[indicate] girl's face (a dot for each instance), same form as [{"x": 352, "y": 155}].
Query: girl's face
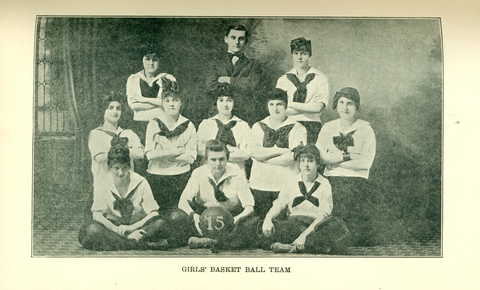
[
  {"x": 307, "y": 164},
  {"x": 120, "y": 171},
  {"x": 277, "y": 109},
  {"x": 151, "y": 64},
  {"x": 217, "y": 162},
  {"x": 172, "y": 105},
  {"x": 346, "y": 109},
  {"x": 225, "y": 105},
  {"x": 300, "y": 58},
  {"x": 113, "y": 112}
]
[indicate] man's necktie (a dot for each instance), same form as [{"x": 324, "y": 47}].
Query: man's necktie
[{"x": 234, "y": 57}]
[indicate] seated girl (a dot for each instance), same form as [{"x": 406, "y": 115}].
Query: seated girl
[
  {"x": 220, "y": 183},
  {"x": 307, "y": 200},
  {"x": 100, "y": 138},
  {"x": 125, "y": 214},
  {"x": 225, "y": 127},
  {"x": 347, "y": 147},
  {"x": 270, "y": 143},
  {"x": 307, "y": 89},
  {"x": 171, "y": 146}
]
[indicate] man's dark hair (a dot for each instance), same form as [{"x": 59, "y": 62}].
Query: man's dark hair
[{"x": 238, "y": 27}]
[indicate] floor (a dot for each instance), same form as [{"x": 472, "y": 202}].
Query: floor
[{"x": 58, "y": 216}]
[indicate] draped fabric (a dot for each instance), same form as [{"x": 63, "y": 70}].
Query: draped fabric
[
  {"x": 225, "y": 134},
  {"x": 116, "y": 139},
  {"x": 343, "y": 141},
  {"x": 149, "y": 91},
  {"x": 79, "y": 37},
  {"x": 124, "y": 206},
  {"x": 164, "y": 131},
  {"x": 306, "y": 196},
  {"x": 301, "y": 93},
  {"x": 277, "y": 137},
  {"x": 219, "y": 194}
]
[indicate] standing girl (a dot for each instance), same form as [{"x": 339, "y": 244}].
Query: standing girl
[
  {"x": 171, "y": 146},
  {"x": 307, "y": 89}
]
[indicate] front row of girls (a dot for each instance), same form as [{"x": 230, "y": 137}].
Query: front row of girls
[{"x": 345, "y": 145}]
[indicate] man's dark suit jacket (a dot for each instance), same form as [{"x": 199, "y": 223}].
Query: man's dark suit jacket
[{"x": 245, "y": 81}]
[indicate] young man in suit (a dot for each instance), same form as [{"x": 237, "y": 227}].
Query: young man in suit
[{"x": 242, "y": 73}]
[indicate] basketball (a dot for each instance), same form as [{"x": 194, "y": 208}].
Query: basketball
[{"x": 216, "y": 222}]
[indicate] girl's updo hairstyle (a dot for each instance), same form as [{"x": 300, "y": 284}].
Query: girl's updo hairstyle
[
  {"x": 223, "y": 90},
  {"x": 106, "y": 99},
  {"x": 308, "y": 151},
  {"x": 119, "y": 152},
  {"x": 349, "y": 93},
  {"x": 169, "y": 88},
  {"x": 299, "y": 44},
  {"x": 149, "y": 49},
  {"x": 279, "y": 95}
]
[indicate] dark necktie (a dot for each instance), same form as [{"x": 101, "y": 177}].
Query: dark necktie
[
  {"x": 343, "y": 141},
  {"x": 306, "y": 195},
  {"x": 124, "y": 206},
  {"x": 277, "y": 137},
  {"x": 240, "y": 55},
  {"x": 301, "y": 93},
  {"x": 164, "y": 131},
  {"x": 225, "y": 134},
  {"x": 116, "y": 139},
  {"x": 149, "y": 91},
  {"x": 219, "y": 195}
]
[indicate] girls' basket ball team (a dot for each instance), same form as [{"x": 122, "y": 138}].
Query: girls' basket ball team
[{"x": 285, "y": 183}]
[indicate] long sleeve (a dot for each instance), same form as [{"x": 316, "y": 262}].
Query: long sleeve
[
  {"x": 243, "y": 192},
  {"x": 202, "y": 135},
  {"x": 326, "y": 201},
  {"x": 148, "y": 201},
  {"x": 133, "y": 90},
  {"x": 191, "y": 145},
  {"x": 152, "y": 129},
  {"x": 366, "y": 150},
  {"x": 297, "y": 135},
  {"x": 191, "y": 190}
]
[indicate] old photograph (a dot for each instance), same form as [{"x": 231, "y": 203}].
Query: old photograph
[{"x": 237, "y": 137}]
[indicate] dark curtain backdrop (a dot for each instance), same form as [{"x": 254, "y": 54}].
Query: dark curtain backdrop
[{"x": 396, "y": 64}]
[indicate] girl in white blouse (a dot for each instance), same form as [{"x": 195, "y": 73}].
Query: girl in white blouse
[
  {"x": 225, "y": 127},
  {"x": 171, "y": 148}
]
